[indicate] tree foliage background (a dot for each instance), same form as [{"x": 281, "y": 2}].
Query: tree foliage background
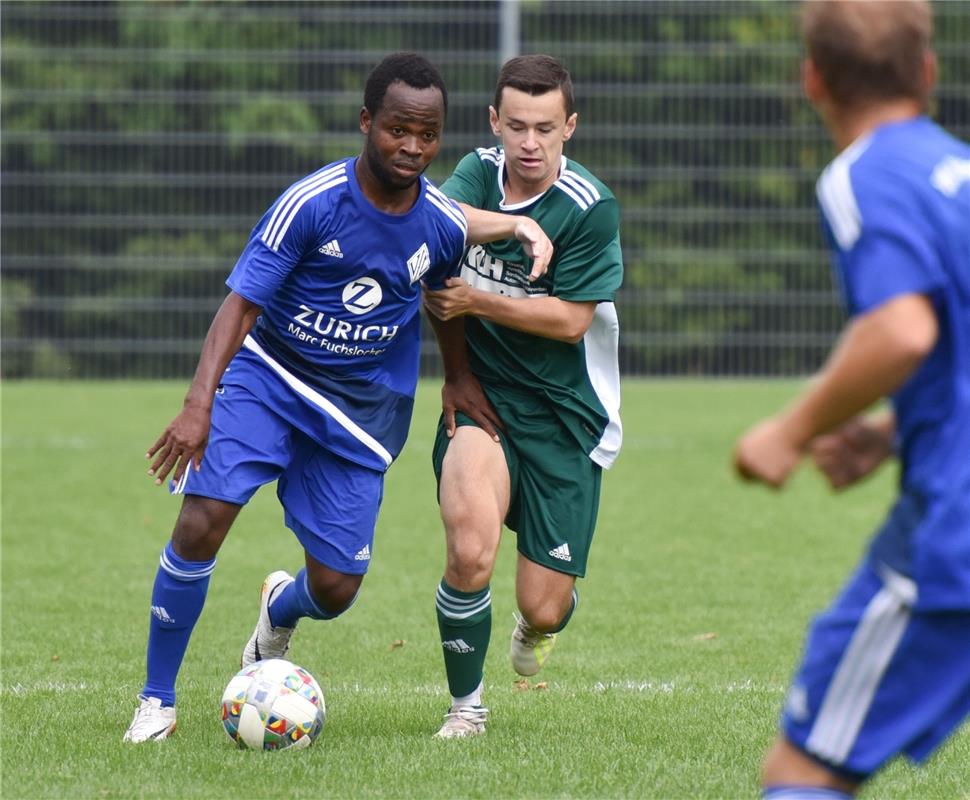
[{"x": 142, "y": 141}]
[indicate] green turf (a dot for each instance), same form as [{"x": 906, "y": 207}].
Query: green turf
[{"x": 666, "y": 685}]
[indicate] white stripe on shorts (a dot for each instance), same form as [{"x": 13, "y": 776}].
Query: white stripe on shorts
[{"x": 858, "y": 676}]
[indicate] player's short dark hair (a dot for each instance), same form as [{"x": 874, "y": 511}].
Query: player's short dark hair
[
  {"x": 408, "y": 68},
  {"x": 869, "y": 51},
  {"x": 535, "y": 75}
]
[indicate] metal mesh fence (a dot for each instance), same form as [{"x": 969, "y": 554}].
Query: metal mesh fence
[{"x": 142, "y": 141}]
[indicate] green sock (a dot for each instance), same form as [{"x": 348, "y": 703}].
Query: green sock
[{"x": 465, "y": 623}]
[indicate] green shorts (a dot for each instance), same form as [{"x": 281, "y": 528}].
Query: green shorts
[{"x": 555, "y": 486}]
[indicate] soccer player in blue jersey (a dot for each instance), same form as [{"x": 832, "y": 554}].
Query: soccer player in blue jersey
[
  {"x": 307, "y": 375},
  {"x": 886, "y": 669}
]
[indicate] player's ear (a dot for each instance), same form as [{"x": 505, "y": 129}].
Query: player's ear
[
  {"x": 929, "y": 71},
  {"x": 493, "y": 120},
  {"x": 812, "y": 83},
  {"x": 365, "y": 120},
  {"x": 570, "y": 128}
]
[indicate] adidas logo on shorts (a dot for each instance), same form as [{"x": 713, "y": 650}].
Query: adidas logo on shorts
[
  {"x": 561, "y": 552},
  {"x": 363, "y": 554}
]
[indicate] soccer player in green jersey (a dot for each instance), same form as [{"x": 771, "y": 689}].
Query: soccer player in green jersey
[{"x": 544, "y": 350}]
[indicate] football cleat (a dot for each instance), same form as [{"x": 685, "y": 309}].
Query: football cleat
[
  {"x": 463, "y": 721},
  {"x": 529, "y": 648},
  {"x": 267, "y": 641},
  {"x": 152, "y": 721}
]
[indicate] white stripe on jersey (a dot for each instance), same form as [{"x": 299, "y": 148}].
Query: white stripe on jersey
[
  {"x": 488, "y": 154},
  {"x": 442, "y": 201},
  {"x": 294, "y": 198},
  {"x": 601, "y": 343},
  {"x": 835, "y": 196},
  {"x": 320, "y": 402},
  {"x": 583, "y": 186},
  {"x": 577, "y": 198},
  {"x": 857, "y": 677}
]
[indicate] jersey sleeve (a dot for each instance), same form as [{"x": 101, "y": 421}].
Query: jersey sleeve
[
  {"x": 882, "y": 245},
  {"x": 467, "y": 183},
  {"x": 591, "y": 267},
  {"x": 276, "y": 245}
]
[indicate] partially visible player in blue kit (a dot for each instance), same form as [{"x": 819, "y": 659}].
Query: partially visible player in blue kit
[
  {"x": 886, "y": 669},
  {"x": 308, "y": 372}
]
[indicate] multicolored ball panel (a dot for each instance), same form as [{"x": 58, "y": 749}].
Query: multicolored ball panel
[{"x": 273, "y": 705}]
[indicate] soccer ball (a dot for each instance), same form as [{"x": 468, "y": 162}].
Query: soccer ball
[{"x": 273, "y": 704}]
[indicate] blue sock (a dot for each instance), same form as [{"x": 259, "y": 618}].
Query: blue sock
[
  {"x": 296, "y": 601},
  {"x": 177, "y": 600},
  {"x": 794, "y": 792}
]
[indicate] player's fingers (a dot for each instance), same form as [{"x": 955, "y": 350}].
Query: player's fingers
[
  {"x": 160, "y": 454},
  {"x": 167, "y": 465},
  {"x": 484, "y": 423},
  {"x": 450, "y": 425},
  {"x": 540, "y": 263},
  {"x": 158, "y": 444}
]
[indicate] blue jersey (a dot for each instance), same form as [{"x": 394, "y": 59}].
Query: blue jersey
[
  {"x": 896, "y": 211},
  {"x": 336, "y": 347}
]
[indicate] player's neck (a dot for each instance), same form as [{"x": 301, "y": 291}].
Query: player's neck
[
  {"x": 381, "y": 196},
  {"x": 518, "y": 192},
  {"x": 846, "y": 127}
]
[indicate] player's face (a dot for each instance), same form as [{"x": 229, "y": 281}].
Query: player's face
[
  {"x": 533, "y": 131},
  {"x": 403, "y": 137}
]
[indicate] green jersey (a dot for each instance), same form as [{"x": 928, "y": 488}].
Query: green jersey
[{"x": 580, "y": 382}]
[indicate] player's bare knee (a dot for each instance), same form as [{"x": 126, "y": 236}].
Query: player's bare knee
[
  {"x": 201, "y": 527},
  {"x": 469, "y": 564},
  {"x": 544, "y": 614},
  {"x": 333, "y": 591}
]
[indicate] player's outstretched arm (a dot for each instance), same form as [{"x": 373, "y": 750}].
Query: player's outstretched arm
[
  {"x": 183, "y": 441},
  {"x": 549, "y": 317},
  {"x": 877, "y": 352},
  {"x": 490, "y": 226}
]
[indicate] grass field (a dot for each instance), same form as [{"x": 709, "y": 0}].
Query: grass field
[{"x": 666, "y": 684}]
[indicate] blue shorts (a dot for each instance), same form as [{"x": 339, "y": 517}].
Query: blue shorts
[
  {"x": 330, "y": 503},
  {"x": 878, "y": 678}
]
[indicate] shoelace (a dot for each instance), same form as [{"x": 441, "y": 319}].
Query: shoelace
[{"x": 528, "y": 635}]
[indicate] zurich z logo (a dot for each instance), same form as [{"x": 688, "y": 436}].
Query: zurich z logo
[{"x": 362, "y": 295}]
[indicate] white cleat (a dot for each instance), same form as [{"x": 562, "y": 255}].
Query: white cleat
[
  {"x": 267, "y": 641},
  {"x": 529, "y": 648},
  {"x": 463, "y": 721},
  {"x": 152, "y": 722}
]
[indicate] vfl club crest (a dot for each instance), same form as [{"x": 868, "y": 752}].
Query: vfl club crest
[{"x": 420, "y": 262}]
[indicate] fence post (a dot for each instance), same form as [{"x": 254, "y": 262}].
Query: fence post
[{"x": 510, "y": 14}]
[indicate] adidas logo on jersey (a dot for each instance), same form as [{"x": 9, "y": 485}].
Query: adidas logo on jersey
[
  {"x": 458, "y": 646},
  {"x": 561, "y": 552},
  {"x": 420, "y": 262},
  {"x": 160, "y": 613},
  {"x": 363, "y": 554},
  {"x": 332, "y": 249}
]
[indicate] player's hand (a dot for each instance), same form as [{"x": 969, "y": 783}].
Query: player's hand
[
  {"x": 766, "y": 454},
  {"x": 181, "y": 444},
  {"x": 536, "y": 245},
  {"x": 851, "y": 452},
  {"x": 455, "y": 300},
  {"x": 464, "y": 393}
]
